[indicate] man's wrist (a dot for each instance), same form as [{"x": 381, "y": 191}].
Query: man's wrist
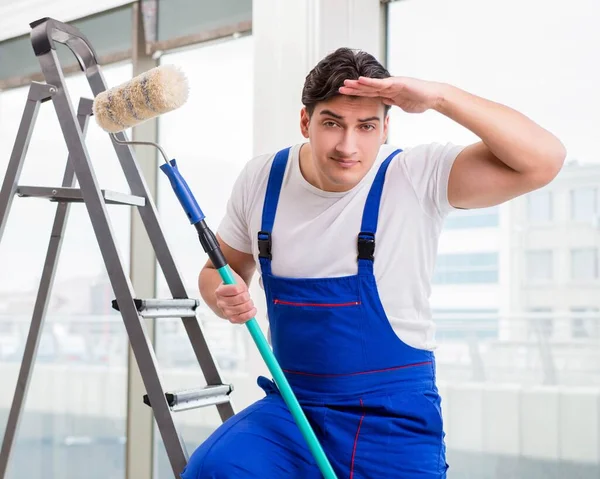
[{"x": 442, "y": 98}]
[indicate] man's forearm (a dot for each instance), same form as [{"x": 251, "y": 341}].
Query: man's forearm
[
  {"x": 513, "y": 138},
  {"x": 208, "y": 281}
]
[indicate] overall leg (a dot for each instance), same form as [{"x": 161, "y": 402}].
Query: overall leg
[
  {"x": 262, "y": 441},
  {"x": 390, "y": 436}
]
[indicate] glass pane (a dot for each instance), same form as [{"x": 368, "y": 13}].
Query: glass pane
[
  {"x": 74, "y": 416},
  {"x": 584, "y": 264},
  {"x": 541, "y": 323},
  {"x": 478, "y": 218},
  {"x": 211, "y": 138},
  {"x": 499, "y": 388},
  {"x": 584, "y": 204},
  {"x": 177, "y": 18},
  {"x": 539, "y": 206},
  {"x": 452, "y": 323},
  {"x": 466, "y": 268},
  {"x": 108, "y": 32},
  {"x": 539, "y": 265},
  {"x": 584, "y": 323}
]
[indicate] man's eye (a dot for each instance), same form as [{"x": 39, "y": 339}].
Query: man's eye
[
  {"x": 368, "y": 127},
  {"x": 330, "y": 124}
]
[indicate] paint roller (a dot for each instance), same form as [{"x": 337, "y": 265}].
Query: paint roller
[{"x": 156, "y": 92}]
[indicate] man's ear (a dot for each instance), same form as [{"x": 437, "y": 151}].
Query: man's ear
[
  {"x": 304, "y": 122},
  {"x": 386, "y": 123}
]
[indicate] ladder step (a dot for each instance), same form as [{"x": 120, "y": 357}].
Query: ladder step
[
  {"x": 186, "y": 399},
  {"x": 73, "y": 195},
  {"x": 164, "y": 308}
]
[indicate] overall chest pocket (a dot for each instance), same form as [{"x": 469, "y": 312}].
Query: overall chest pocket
[{"x": 318, "y": 336}]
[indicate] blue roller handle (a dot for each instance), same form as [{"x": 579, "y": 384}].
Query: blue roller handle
[
  {"x": 183, "y": 192},
  {"x": 211, "y": 246}
]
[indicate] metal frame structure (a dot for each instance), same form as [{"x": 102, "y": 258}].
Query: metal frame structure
[
  {"x": 148, "y": 11},
  {"x": 45, "y": 32}
]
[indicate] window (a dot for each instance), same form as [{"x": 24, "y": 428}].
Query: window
[
  {"x": 466, "y": 268},
  {"x": 541, "y": 323},
  {"x": 80, "y": 371},
  {"x": 584, "y": 204},
  {"x": 211, "y": 137},
  {"x": 475, "y": 218},
  {"x": 547, "y": 51},
  {"x": 585, "y": 323},
  {"x": 454, "y": 324},
  {"x": 584, "y": 264},
  {"x": 538, "y": 265},
  {"x": 539, "y": 207}
]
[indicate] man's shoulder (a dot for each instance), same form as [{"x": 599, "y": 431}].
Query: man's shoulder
[
  {"x": 256, "y": 168},
  {"x": 259, "y": 166},
  {"x": 422, "y": 150},
  {"x": 423, "y": 158},
  {"x": 259, "y": 162},
  {"x": 263, "y": 161}
]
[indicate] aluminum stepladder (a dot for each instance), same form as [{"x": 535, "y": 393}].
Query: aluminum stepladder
[{"x": 79, "y": 169}]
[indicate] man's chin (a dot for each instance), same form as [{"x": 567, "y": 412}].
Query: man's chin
[{"x": 345, "y": 180}]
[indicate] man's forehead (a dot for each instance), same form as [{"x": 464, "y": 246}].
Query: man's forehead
[{"x": 351, "y": 107}]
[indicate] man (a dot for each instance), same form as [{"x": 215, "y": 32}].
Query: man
[{"x": 344, "y": 231}]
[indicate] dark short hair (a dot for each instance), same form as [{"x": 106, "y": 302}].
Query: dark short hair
[{"x": 325, "y": 79}]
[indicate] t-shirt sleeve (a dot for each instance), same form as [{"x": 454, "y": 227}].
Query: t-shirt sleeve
[
  {"x": 233, "y": 228},
  {"x": 428, "y": 170}
]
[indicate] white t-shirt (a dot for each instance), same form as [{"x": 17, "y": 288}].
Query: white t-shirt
[{"x": 315, "y": 231}]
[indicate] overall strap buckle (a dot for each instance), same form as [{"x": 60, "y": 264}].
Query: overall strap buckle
[
  {"x": 264, "y": 244},
  {"x": 366, "y": 245}
]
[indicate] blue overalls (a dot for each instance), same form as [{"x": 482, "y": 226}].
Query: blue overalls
[{"x": 370, "y": 398}]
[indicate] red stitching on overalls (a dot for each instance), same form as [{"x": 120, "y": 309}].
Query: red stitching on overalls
[
  {"x": 356, "y": 439},
  {"x": 323, "y": 305},
  {"x": 359, "y": 373}
]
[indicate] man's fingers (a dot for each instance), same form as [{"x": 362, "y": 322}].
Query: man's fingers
[
  {"x": 364, "y": 82},
  {"x": 230, "y": 289},
  {"x": 237, "y": 299},
  {"x": 362, "y": 86},
  {"x": 381, "y": 83},
  {"x": 358, "y": 92},
  {"x": 378, "y": 82},
  {"x": 242, "y": 318},
  {"x": 234, "y": 302},
  {"x": 372, "y": 83},
  {"x": 232, "y": 311}
]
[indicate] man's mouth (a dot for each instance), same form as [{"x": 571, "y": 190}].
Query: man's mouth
[{"x": 345, "y": 162}]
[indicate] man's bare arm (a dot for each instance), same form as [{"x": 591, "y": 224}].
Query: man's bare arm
[{"x": 515, "y": 155}]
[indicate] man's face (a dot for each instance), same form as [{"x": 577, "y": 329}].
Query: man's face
[{"x": 345, "y": 134}]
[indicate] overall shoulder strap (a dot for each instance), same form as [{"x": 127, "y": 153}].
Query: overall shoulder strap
[
  {"x": 366, "y": 237},
  {"x": 270, "y": 205}
]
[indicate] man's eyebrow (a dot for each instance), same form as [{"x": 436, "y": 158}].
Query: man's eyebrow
[
  {"x": 330, "y": 113},
  {"x": 371, "y": 118},
  {"x": 340, "y": 117}
]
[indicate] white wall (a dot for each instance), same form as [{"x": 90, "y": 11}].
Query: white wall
[{"x": 290, "y": 37}]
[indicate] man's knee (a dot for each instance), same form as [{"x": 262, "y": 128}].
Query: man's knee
[
  {"x": 259, "y": 442},
  {"x": 223, "y": 462},
  {"x": 214, "y": 458}
]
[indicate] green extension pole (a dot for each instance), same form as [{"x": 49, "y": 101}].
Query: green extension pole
[
  {"x": 284, "y": 387},
  {"x": 212, "y": 248}
]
